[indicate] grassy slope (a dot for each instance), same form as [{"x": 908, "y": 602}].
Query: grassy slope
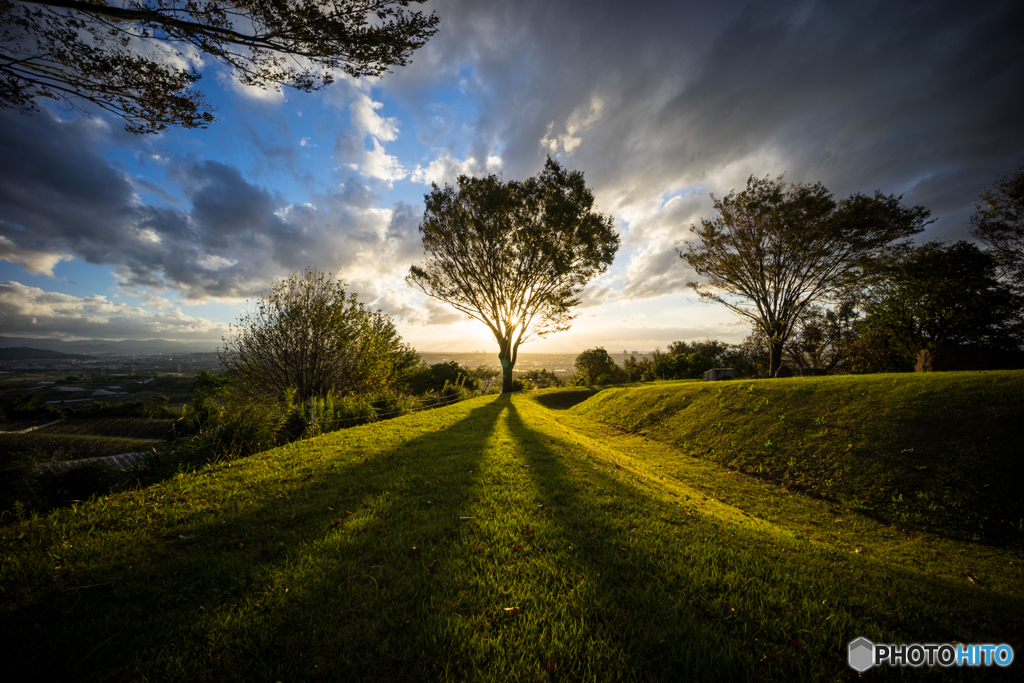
[
  {"x": 590, "y": 554},
  {"x": 939, "y": 450}
]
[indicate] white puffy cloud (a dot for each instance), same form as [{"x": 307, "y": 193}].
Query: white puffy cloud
[
  {"x": 35, "y": 261},
  {"x": 367, "y": 121},
  {"x": 30, "y": 311},
  {"x": 377, "y": 163},
  {"x": 446, "y": 168}
]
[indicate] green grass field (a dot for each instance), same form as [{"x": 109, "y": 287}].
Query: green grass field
[{"x": 503, "y": 538}]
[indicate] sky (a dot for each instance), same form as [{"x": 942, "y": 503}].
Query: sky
[{"x": 109, "y": 235}]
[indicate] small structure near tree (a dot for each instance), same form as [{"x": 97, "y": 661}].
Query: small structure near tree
[{"x": 718, "y": 374}]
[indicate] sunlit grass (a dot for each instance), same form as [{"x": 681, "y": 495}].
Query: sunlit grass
[
  {"x": 498, "y": 539},
  {"x": 941, "y": 451}
]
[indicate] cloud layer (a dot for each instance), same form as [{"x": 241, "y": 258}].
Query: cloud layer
[
  {"x": 228, "y": 238},
  {"x": 659, "y": 104},
  {"x": 31, "y": 311}
]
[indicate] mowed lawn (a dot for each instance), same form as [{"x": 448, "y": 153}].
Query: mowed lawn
[{"x": 503, "y": 538}]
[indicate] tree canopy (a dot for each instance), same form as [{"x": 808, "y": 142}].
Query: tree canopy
[
  {"x": 776, "y": 250},
  {"x": 596, "y": 366},
  {"x": 941, "y": 294},
  {"x": 137, "y": 58},
  {"x": 310, "y": 335},
  {"x": 998, "y": 223},
  {"x": 514, "y": 255}
]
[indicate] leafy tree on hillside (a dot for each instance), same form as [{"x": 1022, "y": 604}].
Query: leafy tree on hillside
[
  {"x": 826, "y": 338},
  {"x": 776, "y": 250},
  {"x": 942, "y": 294},
  {"x": 435, "y": 377},
  {"x": 596, "y": 366},
  {"x": 514, "y": 255},
  {"x": 310, "y": 335},
  {"x": 999, "y": 224},
  {"x": 135, "y": 58}
]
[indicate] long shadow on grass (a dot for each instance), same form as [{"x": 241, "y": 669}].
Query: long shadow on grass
[
  {"x": 680, "y": 599},
  {"x": 282, "y": 588}
]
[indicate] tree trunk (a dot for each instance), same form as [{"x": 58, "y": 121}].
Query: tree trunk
[
  {"x": 775, "y": 349},
  {"x": 507, "y": 358}
]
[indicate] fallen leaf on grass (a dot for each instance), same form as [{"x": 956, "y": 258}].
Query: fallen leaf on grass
[
  {"x": 971, "y": 577},
  {"x": 551, "y": 666},
  {"x": 404, "y": 625},
  {"x": 518, "y": 546},
  {"x": 529, "y": 532},
  {"x": 795, "y": 644},
  {"x": 416, "y": 551},
  {"x": 336, "y": 523},
  {"x": 465, "y": 519},
  {"x": 478, "y": 549},
  {"x": 512, "y": 611},
  {"x": 434, "y": 565}
]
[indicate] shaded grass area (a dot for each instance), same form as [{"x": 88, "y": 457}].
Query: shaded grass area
[
  {"x": 942, "y": 451},
  {"x": 497, "y": 539}
]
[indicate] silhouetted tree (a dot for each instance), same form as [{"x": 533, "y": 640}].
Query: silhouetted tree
[
  {"x": 826, "y": 338},
  {"x": 941, "y": 294},
  {"x": 514, "y": 255},
  {"x": 998, "y": 223},
  {"x": 310, "y": 335},
  {"x": 776, "y": 250},
  {"x": 132, "y": 58}
]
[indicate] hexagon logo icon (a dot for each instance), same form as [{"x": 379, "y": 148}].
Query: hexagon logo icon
[{"x": 861, "y": 654}]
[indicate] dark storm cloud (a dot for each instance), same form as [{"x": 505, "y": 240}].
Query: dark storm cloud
[
  {"x": 228, "y": 238},
  {"x": 915, "y": 98}
]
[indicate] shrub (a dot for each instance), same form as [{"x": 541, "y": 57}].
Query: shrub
[{"x": 542, "y": 379}]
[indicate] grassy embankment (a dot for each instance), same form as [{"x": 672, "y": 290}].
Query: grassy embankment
[
  {"x": 499, "y": 539},
  {"x": 941, "y": 451}
]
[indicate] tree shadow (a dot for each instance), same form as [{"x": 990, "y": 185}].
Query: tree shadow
[
  {"x": 565, "y": 398},
  {"x": 690, "y": 600},
  {"x": 288, "y": 568}
]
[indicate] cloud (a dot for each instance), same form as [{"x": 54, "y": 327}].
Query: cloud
[
  {"x": 579, "y": 121},
  {"x": 445, "y": 169},
  {"x": 30, "y": 311},
  {"x": 366, "y": 120},
  {"x": 35, "y": 261},
  {"x": 228, "y": 237},
  {"x": 377, "y": 163},
  {"x": 860, "y": 96},
  {"x": 267, "y": 96}
]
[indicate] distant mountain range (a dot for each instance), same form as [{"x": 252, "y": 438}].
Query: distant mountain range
[
  {"x": 26, "y": 353},
  {"x": 144, "y": 347}
]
